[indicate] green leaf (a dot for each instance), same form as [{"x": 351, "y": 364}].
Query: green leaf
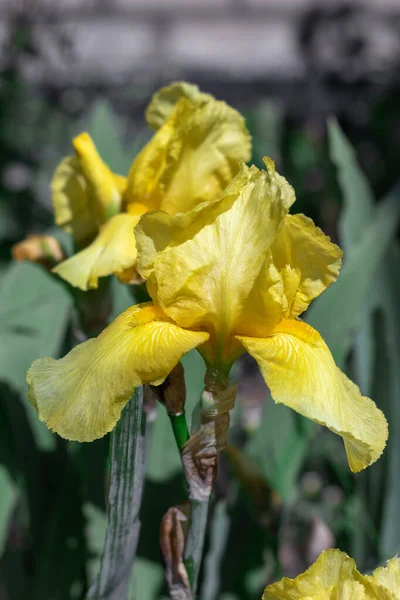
[
  {"x": 390, "y": 526},
  {"x": 61, "y": 554},
  {"x": 338, "y": 314},
  {"x": 219, "y": 533},
  {"x": 34, "y": 315},
  {"x": 359, "y": 202},
  {"x": 8, "y": 496},
  {"x": 357, "y": 213},
  {"x": 124, "y": 501},
  {"x": 147, "y": 580},
  {"x": 96, "y": 527},
  {"x": 376, "y": 352},
  {"x": 280, "y": 445}
]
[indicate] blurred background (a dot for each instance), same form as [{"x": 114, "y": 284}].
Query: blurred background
[{"x": 284, "y": 492}]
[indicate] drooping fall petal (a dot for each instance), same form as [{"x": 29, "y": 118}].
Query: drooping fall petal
[
  {"x": 202, "y": 267},
  {"x": 191, "y": 158},
  {"x": 332, "y": 576},
  {"x": 301, "y": 373},
  {"x": 113, "y": 251},
  {"x": 164, "y": 100},
  {"x": 307, "y": 261},
  {"x": 81, "y": 396}
]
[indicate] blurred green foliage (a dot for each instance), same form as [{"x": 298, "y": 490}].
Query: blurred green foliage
[{"x": 287, "y": 488}]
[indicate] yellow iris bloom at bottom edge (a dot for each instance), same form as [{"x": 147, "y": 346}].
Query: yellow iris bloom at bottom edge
[
  {"x": 334, "y": 576},
  {"x": 230, "y": 276}
]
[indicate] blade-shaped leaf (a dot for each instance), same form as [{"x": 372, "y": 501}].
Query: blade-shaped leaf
[
  {"x": 358, "y": 198},
  {"x": 125, "y": 495},
  {"x": 34, "y": 314},
  {"x": 219, "y": 532},
  {"x": 376, "y": 355},
  {"x": 390, "y": 527},
  {"x": 8, "y": 498},
  {"x": 338, "y": 314},
  {"x": 280, "y": 445}
]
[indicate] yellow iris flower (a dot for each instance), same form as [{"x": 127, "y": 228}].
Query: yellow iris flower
[
  {"x": 334, "y": 576},
  {"x": 196, "y": 150},
  {"x": 229, "y": 276}
]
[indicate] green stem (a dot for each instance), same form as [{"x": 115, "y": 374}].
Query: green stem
[
  {"x": 195, "y": 539},
  {"x": 180, "y": 429}
]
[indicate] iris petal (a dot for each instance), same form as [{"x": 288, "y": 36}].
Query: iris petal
[
  {"x": 333, "y": 575},
  {"x": 165, "y": 99},
  {"x": 301, "y": 373},
  {"x": 191, "y": 158},
  {"x": 307, "y": 261},
  {"x": 84, "y": 191},
  {"x": 81, "y": 396},
  {"x": 112, "y": 251},
  {"x": 105, "y": 187},
  {"x": 70, "y": 198},
  {"x": 202, "y": 266},
  {"x": 385, "y": 581}
]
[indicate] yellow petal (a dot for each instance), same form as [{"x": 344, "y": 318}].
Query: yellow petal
[
  {"x": 204, "y": 154},
  {"x": 81, "y": 396},
  {"x": 163, "y": 101},
  {"x": 202, "y": 266},
  {"x": 354, "y": 590},
  {"x": 301, "y": 373},
  {"x": 307, "y": 261},
  {"x": 143, "y": 185},
  {"x": 105, "y": 187},
  {"x": 84, "y": 191},
  {"x": 70, "y": 198},
  {"x": 332, "y": 574},
  {"x": 385, "y": 581},
  {"x": 113, "y": 251},
  {"x": 191, "y": 158}
]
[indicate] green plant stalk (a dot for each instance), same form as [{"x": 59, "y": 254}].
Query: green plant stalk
[
  {"x": 125, "y": 496},
  {"x": 180, "y": 429},
  {"x": 195, "y": 539},
  {"x": 200, "y": 463},
  {"x": 198, "y": 510}
]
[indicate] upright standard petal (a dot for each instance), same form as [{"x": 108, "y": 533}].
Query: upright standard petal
[
  {"x": 191, "y": 158},
  {"x": 81, "y": 396},
  {"x": 202, "y": 267},
  {"x": 104, "y": 186},
  {"x": 333, "y": 575},
  {"x": 209, "y": 143},
  {"x": 301, "y": 373},
  {"x": 84, "y": 191},
  {"x": 307, "y": 261},
  {"x": 70, "y": 198},
  {"x": 144, "y": 176},
  {"x": 113, "y": 251},
  {"x": 165, "y": 99}
]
